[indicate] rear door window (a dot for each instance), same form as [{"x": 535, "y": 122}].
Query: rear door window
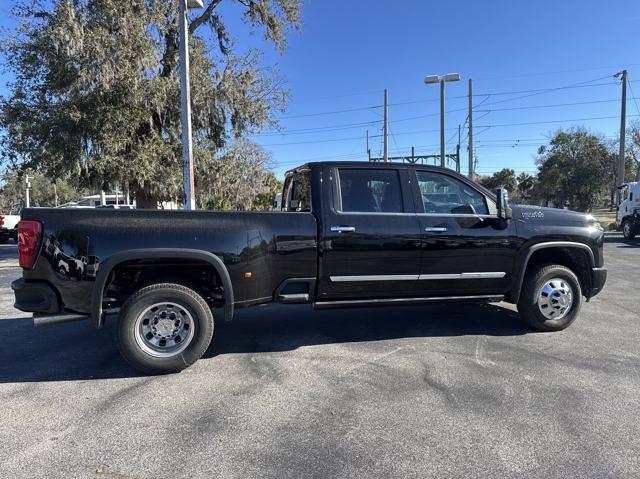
[{"x": 370, "y": 191}]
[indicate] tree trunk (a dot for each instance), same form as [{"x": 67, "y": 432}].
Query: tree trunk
[
  {"x": 612, "y": 199},
  {"x": 146, "y": 200}
]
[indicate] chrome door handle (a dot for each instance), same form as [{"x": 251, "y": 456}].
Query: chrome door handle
[
  {"x": 343, "y": 229},
  {"x": 435, "y": 229}
]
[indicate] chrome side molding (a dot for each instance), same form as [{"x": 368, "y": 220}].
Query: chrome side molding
[
  {"x": 479, "y": 275},
  {"x": 343, "y": 229},
  {"x": 419, "y": 277},
  {"x": 376, "y": 277}
]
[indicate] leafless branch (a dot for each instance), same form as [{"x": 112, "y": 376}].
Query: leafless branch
[{"x": 204, "y": 17}]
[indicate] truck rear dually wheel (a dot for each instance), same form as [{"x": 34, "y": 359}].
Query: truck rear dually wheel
[
  {"x": 551, "y": 297},
  {"x": 628, "y": 230},
  {"x": 164, "y": 328}
]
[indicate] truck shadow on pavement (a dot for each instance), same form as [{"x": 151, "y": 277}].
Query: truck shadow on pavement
[
  {"x": 276, "y": 327},
  {"x": 9, "y": 251},
  {"x": 621, "y": 242},
  {"x": 76, "y": 351}
]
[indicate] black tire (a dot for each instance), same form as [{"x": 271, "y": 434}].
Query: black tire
[
  {"x": 628, "y": 231},
  {"x": 534, "y": 281},
  {"x": 141, "y": 300}
]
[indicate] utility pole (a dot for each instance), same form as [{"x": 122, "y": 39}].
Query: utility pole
[
  {"x": 55, "y": 195},
  {"x": 368, "y": 149},
  {"x": 185, "y": 104},
  {"x": 623, "y": 129},
  {"x": 470, "y": 131},
  {"x": 385, "y": 154},
  {"x": 458, "y": 152}
]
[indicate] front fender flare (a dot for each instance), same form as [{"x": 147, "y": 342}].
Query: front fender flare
[
  {"x": 179, "y": 253},
  {"x": 515, "y": 294}
]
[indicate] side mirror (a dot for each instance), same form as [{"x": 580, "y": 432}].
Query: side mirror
[{"x": 502, "y": 196}]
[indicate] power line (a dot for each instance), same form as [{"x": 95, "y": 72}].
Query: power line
[
  {"x": 329, "y": 140},
  {"x": 552, "y": 121},
  {"x": 525, "y": 75},
  {"x": 547, "y": 90},
  {"x": 485, "y": 127},
  {"x": 585, "y": 84},
  {"x": 349, "y": 126},
  {"x": 334, "y": 112},
  {"x": 633, "y": 95},
  {"x": 342, "y": 95},
  {"x": 553, "y": 105},
  {"x": 320, "y": 129},
  {"x": 515, "y": 92}
]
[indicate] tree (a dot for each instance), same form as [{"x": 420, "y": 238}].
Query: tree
[
  {"x": 95, "y": 98},
  {"x": 633, "y": 150},
  {"x": 574, "y": 170},
  {"x": 526, "y": 182},
  {"x": 505, "y": 178},
  {"x": 240, "y": 180},
  {"x": 42, "y": 192}
]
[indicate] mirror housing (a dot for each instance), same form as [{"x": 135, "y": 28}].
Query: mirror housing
[{"x": 502, "y": 204}]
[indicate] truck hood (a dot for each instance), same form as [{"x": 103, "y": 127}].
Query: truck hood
[{"x": 551, "y": 216}]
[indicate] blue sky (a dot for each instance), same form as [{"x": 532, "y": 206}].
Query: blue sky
[{"x": 348, "y": 51}]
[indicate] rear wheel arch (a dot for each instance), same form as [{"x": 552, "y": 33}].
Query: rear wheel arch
[
  {"x": 578, "y": 257},
  {"x": 107, "y": 267}
]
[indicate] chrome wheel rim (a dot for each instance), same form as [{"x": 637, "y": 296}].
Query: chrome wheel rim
[
  {"x": 626, "y": 229},
  {"x": 164, "y": 329},
  {"x": 555, "y": 299}
]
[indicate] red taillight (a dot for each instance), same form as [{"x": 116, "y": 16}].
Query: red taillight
[
  {"x": 28, "y": 241},
  {"x": 1, "y": 220}
]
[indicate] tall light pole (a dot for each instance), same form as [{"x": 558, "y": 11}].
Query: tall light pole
[
  {"x": 185, "y": 103},
  {"x": 27, "y": 186},
  {"x": 442, "y": 79}
]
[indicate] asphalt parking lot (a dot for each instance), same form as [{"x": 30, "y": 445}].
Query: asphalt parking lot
[{"x": 437, "y": 391}]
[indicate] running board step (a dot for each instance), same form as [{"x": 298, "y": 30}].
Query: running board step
[
  {"x": 298, "y": 298},
  {"x": 405, "y": 301}
]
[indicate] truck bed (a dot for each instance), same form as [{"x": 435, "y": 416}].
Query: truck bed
[{"x": 258, "y": 249}]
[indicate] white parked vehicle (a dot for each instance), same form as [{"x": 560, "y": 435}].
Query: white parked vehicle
[
  {"x": 9, "y": 226},
  {"x": 628, "y": 214}
]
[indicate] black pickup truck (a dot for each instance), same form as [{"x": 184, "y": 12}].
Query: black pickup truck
[{"x": 349, "y": 234}]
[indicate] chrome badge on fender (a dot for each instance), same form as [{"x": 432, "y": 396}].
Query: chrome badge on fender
[{"x": 532, "y": 215}]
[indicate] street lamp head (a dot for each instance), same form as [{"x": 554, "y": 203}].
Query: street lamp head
[
  {"x": 445, "y": 78},
  {"x": 195, "y": 4}
]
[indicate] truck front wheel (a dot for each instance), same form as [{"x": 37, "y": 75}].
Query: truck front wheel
[
  {"x": 628, "y": 230},
  {"x": 551, "y": 297},
  {"x": 164, "y": 328}
]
